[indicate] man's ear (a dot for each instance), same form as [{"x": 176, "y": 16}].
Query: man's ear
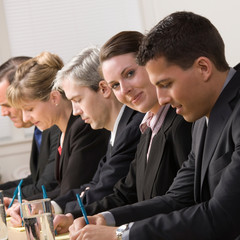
[
  {"x": 205, "y": 67},
  {"x": 55, "y": 97},
  {"x": 105, "y": 89}
]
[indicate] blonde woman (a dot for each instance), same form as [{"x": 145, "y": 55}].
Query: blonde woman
[{"x": 80, "y": 148}]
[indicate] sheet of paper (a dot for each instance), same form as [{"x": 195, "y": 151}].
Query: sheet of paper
[{"x": 64, "y": 236}]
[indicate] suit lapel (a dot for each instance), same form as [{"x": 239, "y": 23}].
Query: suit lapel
[
  {"x": 156, "y": 153},
  {"x": 39, "y": 159},
  {"x": 218, "y": 118},
  {"x": 124, "y": 121},
  {"x": 65, "y": 145},
  {"x": 126, "y": 116},
  {"x": 200, "y": 129},
  {"x": 141, "y": 163}
]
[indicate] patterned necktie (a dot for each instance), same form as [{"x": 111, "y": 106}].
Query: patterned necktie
[{"x": 38, "y": 137}]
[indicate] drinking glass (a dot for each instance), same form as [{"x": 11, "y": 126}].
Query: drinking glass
[
  {"x": 3, "y": 225},
  {"x": 38, "y": 219}
]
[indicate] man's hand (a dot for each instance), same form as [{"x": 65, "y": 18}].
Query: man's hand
[
  {"x": 62, "y": 222},
  {"x": 79, "y": 223},
  {"x": 94, "y": 232}
]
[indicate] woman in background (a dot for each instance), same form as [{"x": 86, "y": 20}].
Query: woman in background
[
  {"x": 80, "y": 148},
  {"x": 44, "y": 144}
]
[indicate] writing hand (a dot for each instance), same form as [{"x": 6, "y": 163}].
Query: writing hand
[
  {"x": 7, "y": 201},
  {"x": 79, "y": 223},
  {"x": 94, "y": 232},
  {"x": 62, "y": 222},
  {"x": 14, "y": 212}
]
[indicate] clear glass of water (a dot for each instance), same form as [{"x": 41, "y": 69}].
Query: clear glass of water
[
  {"x": 3, "y": 225},
  {"x": 38, "y": 219},
  {"x": 1, "y": 197}
]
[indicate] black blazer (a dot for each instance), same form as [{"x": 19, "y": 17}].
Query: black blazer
[
  {"x": 41, "y": 167},
  {"x": 237, "y": 67},
  {"x": 206, "y": 191},
  {"x": 145, "y": 180},
  {"x": 113, "y": 166},
  {"x": 82, "y": 150}
]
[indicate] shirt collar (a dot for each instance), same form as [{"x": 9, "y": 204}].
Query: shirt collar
[
  {"x": 231, "y": 72},
  {"x": 153, "y": 120},
  {"x": 230, "y": 75},
  {"x": 114, "y": 131}
]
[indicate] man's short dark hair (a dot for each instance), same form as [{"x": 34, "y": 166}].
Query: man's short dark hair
[{"x": 181, "y": 38}]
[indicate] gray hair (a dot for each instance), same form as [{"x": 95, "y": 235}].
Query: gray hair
[{"x": 83, "y": 69}]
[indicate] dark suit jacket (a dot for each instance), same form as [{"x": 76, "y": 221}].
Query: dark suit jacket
[
  {"x": 113, "y": 166},
  {"x": 237, "y": 67},
  {"x": 145, "y": 180},
  {"x": 82, "y": 150},
  {"x": 41, "y": 167},
  {"x": 206, "y": 191}
]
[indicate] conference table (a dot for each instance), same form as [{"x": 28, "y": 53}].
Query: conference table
[{"x": 20, "y": 234}]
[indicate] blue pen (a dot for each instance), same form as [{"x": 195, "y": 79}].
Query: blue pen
[
  {"x": 44, "y": 192},
  {"x": 20, "y": 200},
  {"x": 15, "y": 193},
  {"x": 82, "y": 208}
]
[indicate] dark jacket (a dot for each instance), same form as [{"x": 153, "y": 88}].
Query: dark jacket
[
  {"x": 203, "y": 201},
  {"x": 113, "y": 166},
  {"x": 147, "y": 179},
  {"x": 41, "y": 167},
  {"x": 82, "y": 150}
]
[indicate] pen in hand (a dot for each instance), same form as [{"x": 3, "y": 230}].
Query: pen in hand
[
  {"x": 20, "y": 201},
  {"x": 15, "y": 193},
  {"x": 82, "y": 208}
]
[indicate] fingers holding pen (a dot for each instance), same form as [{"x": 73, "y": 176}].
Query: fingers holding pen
[{"x": 14, "y": 213}]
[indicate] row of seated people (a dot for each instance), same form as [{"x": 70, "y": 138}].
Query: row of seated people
[
  {"x": 108, "y": 89},
  {"x": 87, "y": 95}
]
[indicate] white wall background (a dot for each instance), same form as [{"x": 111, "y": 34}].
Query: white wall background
[{"x": 64, "y": 27}]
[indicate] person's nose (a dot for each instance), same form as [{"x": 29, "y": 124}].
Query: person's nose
[
  {"x": 163, "y": 97},
  {"x": 5, "y": 111},
  {"x": 76, "y": 109},
  {"x": 26, "y": 116},
  {"x": 125, "y": 88}
]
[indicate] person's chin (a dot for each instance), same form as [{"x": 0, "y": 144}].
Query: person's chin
[
  {"x": 189, "y": 118},
  {"x": 19, "y": 125},
  {"x": 93, "y": 126},
  {"x": 27, "y": 125}
]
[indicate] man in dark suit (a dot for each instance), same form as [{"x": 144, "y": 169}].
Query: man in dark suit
[
  {"x": 42, "y": 159},
  {"x": 113, "y": 165},
  {"x": 184, "y": 56}
]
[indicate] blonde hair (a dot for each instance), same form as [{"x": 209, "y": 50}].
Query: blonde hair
[{"x": 33, "y": 79}]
